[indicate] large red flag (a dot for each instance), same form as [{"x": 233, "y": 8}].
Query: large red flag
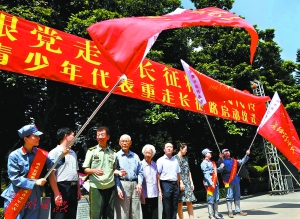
[
  {"x": 278, "y": 129},
  {"x": 126, "y": 41}
]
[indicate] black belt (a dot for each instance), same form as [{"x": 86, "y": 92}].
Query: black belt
[
  {"x": 72, "y": 183},
  {"x": 167, "y": 181},
  {"x": 129, "y": 180}
]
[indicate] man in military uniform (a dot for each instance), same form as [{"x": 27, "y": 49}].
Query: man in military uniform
[{"x": 100, "y": 163}]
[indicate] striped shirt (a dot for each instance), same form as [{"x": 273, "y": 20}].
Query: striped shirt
[{"x": 68, "y": 170}]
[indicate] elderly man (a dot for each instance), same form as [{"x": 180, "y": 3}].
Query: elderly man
[
  {"x": 129, "y": 186},
  {"x": 232, "y": 181},
  {"x": 150, "y": 188},
  {"x": 169, "y": 181},
  {"x": 100, "y": 163}
]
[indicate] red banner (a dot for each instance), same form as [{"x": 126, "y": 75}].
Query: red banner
[
  {"x": 126, "y": 41},
  {"x": 278, "y": 129},
  {"x": 36, "y": 50}
]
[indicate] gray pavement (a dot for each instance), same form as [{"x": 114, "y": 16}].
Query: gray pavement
[{"x": 260, "y": 206}]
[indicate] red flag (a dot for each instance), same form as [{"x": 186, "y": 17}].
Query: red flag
[
  {"x": 279, "y": 130},
  {"x": 221, "y": 97},
  {"x": 82, "y": 177},
  {"x": 125, "y": 41}
]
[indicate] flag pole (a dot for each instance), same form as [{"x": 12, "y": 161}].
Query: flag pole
[
  {"x": 289, "y": 171},
  {"x": 211, "y": 130},
  {"x": 121, "y": 79},
  {"x": 246, "y": 154}
]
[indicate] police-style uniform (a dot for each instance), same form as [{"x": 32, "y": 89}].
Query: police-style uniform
[
  {"x": 102, "y": 188},
  {"x": 18, "y": 165},
  {"x": 207, "y": 168}
]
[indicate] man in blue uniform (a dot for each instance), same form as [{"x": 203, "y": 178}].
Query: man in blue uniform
[{"x": 232, "y": 181}]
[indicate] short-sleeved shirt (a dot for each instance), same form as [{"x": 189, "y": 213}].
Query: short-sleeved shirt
[
  {"x": 168, "y": 168},
  {"x": 150, "y": 188},
  {"x": 106, "y": 159},
  {"x": 132, "y": 164},
  {"x": 68, "y": 170}
]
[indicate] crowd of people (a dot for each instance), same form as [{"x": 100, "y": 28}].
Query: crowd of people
[{"x": 121, "y": 185}]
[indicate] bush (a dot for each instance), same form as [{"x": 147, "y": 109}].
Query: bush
[{"x": 1, "y": 213}]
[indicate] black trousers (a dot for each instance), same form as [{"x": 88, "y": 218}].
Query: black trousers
[
  {"x": 150, "y": 209},
  {"x": 68, "y": 210},
  {"x": 170, "y": 193}
]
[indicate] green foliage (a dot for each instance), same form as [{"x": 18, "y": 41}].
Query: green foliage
[
  {"x": 225, "y": 4},
  {"x": 155, "y": 114},
  {"x": 219, "y": 52},
  {"x": 297, "y": 71},
  {"x": 233, "y": 129},
  {"x": 258, "y": 172}
]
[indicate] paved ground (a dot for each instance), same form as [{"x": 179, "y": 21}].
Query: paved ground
[{"x": 261, "y": 206}]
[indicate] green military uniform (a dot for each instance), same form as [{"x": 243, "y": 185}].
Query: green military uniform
[{"x": 102, "y": 188}]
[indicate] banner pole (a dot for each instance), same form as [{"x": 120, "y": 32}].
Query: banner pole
[
  {"x": 211, "y": 130},
  {"x": 246, "y": 154},
  {"x": 121, "y": 79}
]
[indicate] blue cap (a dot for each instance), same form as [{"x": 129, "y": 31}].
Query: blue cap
[
  {"x": 205, "y": 151},
  {"x": 28, "y": 130},
  {"x": 224, "y": 150}
]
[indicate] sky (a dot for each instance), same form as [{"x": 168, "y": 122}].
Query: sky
[{"x": 281, "y": 15}]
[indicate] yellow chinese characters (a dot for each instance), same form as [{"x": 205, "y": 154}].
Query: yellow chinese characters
[
  {"x": 145, "y": 71},
  {"x": 86, "y": 51},
  {"x": 284, "y": 135},
  {"x": 46, "y": 36},
  {"x": 148, "y": 91},
  {"x": 8, "y": 25},
  {"x": 39, "y": 61},
  {"x": 4, "y": 51},
  {"x": 70, "y": 69}
]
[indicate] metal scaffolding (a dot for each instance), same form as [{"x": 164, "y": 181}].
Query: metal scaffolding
[{"x": 275, "y": 176}]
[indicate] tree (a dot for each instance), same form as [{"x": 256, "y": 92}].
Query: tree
[
  {"x": 297, "y": 71},
  {"x": 220, "y": 52}
]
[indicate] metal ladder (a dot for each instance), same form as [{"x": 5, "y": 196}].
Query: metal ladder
[{"x": 275, "y": 176}]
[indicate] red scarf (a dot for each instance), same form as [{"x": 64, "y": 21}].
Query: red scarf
[
  {"x": 16, "y": 205},
  {"x": 232, "y": 173},
  {"x": 210, "y": 189}
]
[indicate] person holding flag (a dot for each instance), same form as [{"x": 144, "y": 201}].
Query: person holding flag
[
  {"x": 24, "y": 166},
  {"x": 232, "y": 181},
  {"x": 66, "y": 188},
  {"x": 211, "y": 183}
]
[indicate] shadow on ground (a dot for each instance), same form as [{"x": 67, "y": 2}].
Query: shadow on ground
[
  {"x": 285, "y": 205},
  {"x": 255, "y": 212}
]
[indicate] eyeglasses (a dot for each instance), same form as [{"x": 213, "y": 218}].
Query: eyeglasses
[
  {"x": 101, "y": 135},
  {"x": 124, "y": 141}
]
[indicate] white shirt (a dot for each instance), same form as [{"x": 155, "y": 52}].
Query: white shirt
[
  {"x": 68, "y": 170},
  {"x": 168, "y": 168}
]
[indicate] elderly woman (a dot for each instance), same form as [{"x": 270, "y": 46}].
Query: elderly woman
[{"x": 149, "y": 187}]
